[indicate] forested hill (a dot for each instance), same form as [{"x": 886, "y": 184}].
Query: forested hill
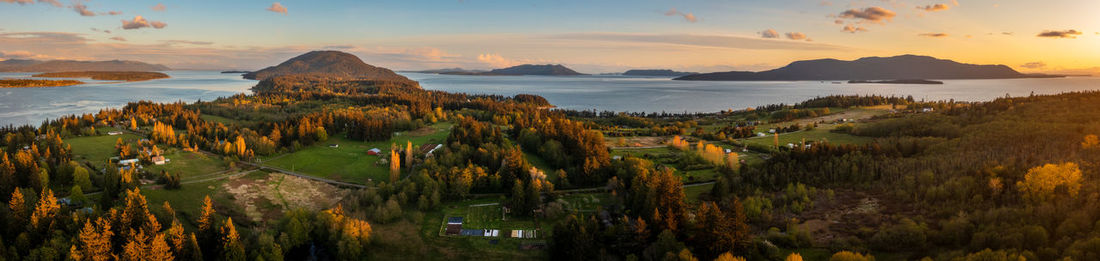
[
  {"x": 870, "y": 68},
  {"x": 534, "y": 69},
  {"x": 333, "y": 64},
  {"x": 18, "y": 65}
]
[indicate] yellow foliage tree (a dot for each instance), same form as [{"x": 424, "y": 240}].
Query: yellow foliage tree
[
  {"x": 395, "y": 165},
  {"x": 45, "y": 211},
  {"x": 18, "y": 205},
  {"x": 1091, "y": 141},
  {"x": 409, "y": 155},
  {"x": 95, "y": 242},
  {"x": 678, "y": 143},
  {"x": 793, "y": 257},
  {"x": 850, "y": 256},
  {"x": 1040, "y": 183},
  {"x": 206, "y": 214}
]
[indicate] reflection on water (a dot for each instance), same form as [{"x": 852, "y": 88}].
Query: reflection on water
[
  {"x": 617, "y": 93},
  {"x": 638, "y": 94},
  {"x": 20, "y": 106}
]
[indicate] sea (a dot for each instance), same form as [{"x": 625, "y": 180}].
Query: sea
[{"x": 19, "y": 106}]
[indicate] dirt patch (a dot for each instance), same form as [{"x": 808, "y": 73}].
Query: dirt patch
[
  {"x": 269, "y": 197},
  {"x": 844, "y": 215},
  {"x": 636, "y": 142},
  {"x": 422, "y": 131}
]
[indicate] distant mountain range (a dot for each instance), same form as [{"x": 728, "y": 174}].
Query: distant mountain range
[
  {"x": 656, "y": 72},
  {"x": 871, "y": 68},
  {"x": 526, "y": 69},
  {"x": 330, "y": 64},
  {"x": 20, "y": 65}
]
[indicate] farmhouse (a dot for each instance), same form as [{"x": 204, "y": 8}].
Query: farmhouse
[
  {"x": 454, "y": 226},
  {"x": 159, "y": 160},
  {"x": 374, "y": 152},
  {"x": 114, "y": 133}
]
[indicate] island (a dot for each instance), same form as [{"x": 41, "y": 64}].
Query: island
[
  {"x": 657, "y": 72},
  {"x": 871, "y": 68},
  {"x": 106, "y": 76},
  {"x": 526, "y": 69},
  {"x": 906, "y": 81},
  {"x": 231, "y": 71},
  {"x": 33, "y": 83}
]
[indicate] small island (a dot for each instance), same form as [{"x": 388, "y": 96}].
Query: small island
[
  {"x": 106, "y": 76},
  {"x": 32, "y": 83},
  {"x": 904, "y": 81},
  {"x": 236, "y": 71}
]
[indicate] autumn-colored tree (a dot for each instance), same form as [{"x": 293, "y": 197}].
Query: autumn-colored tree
[
  {"x": 716, "y": 231},
  {"x": 1091, "y": 141},
  {"x": 231, "y": 243},
  {"x": 727, "y": 256},
  {"x": 793, "y": 257},
  {"x": 18, "y": 207},
  {"x": 206, "y": 214},
  {"x": 851, "y": 256},
  {"x": 1040, "y": 183},
  {"x": 44, "y": 211},
  {"x": 94, "y": 242},
  {"x": 409, "y": 154},
  {"x": 168, "y": 209},
  {"x": 679, "y": 143},
  {"x": 395, "y": 165},
  {"x": 163, "y": 133},
  {"x": 133, "y": 124}
]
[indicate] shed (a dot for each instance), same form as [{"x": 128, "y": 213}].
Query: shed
[
  {"x": 454, "y": 221},
  {"x": 374, "y": 152}
]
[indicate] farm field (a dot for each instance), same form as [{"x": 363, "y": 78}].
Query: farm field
[
  {"x": 97, "y": 149},
  {"x": 188, "y": 164},
  {"x": 349, "y": 161}
]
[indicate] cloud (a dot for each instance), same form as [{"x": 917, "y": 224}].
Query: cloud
[
  {"x": 118, "y": 38},
  {"x": 854, "y": 29},
  {"x": 1034, "y": 65},
  {"x": 139, "y": 22},
  {"x": 101, "y": 31},
  {"x": 797, "y": 36},
  {"x": 696, "y": 40},
  {"x": 1060, "y": 34},
  {"x": 1006, "y": 33},
  {"x": 113, "y": 13},
  {"x": 278, "y": 8},
  {"x": 82, "y": 9},
  {"x": 689, "y": 17},
  {"x": 872, "y": 14},
  {"x": 338, "y": 47},
  {"x": 22, "y": 2},
  {"x": 769, "y": 33},
  {"x": 187, "y": 42},
  {"x": 934, "y": 35},
  {"x": 159, "y": 7},
  {"x": 935, "y": 7}
]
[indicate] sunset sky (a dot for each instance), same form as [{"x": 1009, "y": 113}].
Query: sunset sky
[{"x": 590, "y": 36}]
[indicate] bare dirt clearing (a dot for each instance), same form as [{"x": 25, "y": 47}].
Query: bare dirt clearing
[{"x": 268, "y": 197}]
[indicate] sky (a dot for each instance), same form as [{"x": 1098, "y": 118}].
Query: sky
[{"x": 589, "y": 36}]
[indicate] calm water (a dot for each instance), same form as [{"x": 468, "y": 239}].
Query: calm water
[
  {"x": 617, "y": 93},
  {"x": 33, "y": 105}
]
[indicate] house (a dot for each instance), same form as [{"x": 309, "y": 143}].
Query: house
[
  {"x": 492, "y": 233},
  {"x": 761, "y": 134},
  {"x": 790, "y": 145},
  {"x": 159, "y": 160},
  {"x": 334, "y": 145},
  {"x": 128, "y": 161},
  {"x": 454, "y": 226},
  {"x": 616, "y": 157},
  {"x": 374, "y": 152},
  {"x": 771, "y": 130},
  {"x": 473, "y": 232},
  {"x": 927, "y": 110},
  {"x": 114, "y": 133},
  {"x": 728, "y": 151}
]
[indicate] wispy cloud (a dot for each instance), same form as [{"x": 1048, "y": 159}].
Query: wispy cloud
[
  {"x": 871, "y": 14},
  {"x": 934, "y": 35},
  {"x": 140, "y": 22},
  {"x": 689, "y": 17},
  {"x": 278, "y": 8},
  {"x": 187, "y": 42},
  {"x": 935, "y": 7},
  {"x": 797, "y": 36},
  {"x": 159, "y": 7},
  {"x": 1034, "y": 65},
  {"x": 769, "y": 34},
  {"x": 854, "y": 29},
  {"x": 118, "y": 38},
  {"x": 1060, "y": 34},
  {"x": 700, "y": 40}
]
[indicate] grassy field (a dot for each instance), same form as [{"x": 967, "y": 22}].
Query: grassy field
[
  {"x": 692, "y": 193},
  {"x": 187, "y": 200},
  {"x": 97, "y": 149},
  {"x": 189, "y": 164},
  {"x": 349, "y": 162},
  {"x": 818, "y": 134}
]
